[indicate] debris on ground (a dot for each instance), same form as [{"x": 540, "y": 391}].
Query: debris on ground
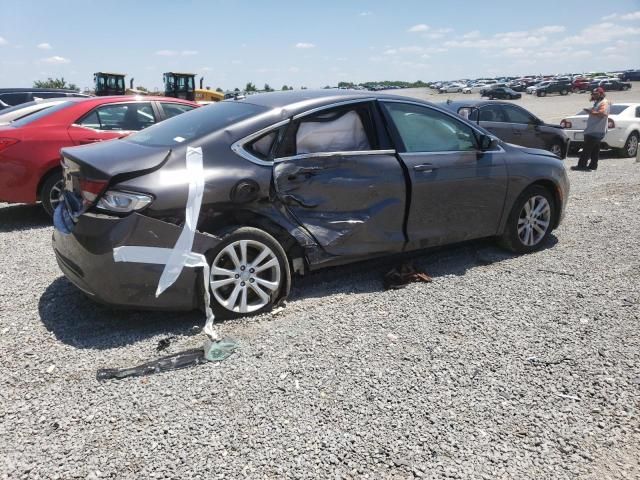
[
  {"x": 399, "y": 277},
  {"x": 164, "y": 343}
]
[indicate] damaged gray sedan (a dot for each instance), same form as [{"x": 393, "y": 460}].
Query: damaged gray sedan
[{"x": 247, "y": 192}]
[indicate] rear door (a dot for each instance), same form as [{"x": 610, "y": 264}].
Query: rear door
[
  {"x": 336, "y": 174},
  {"x": 494, "y": 119},
  {"x": 106, "y": 122},
  {"x": 457, "y": 192}
]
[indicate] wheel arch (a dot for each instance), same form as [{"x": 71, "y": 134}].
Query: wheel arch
[{"x": 45, "y": 177}]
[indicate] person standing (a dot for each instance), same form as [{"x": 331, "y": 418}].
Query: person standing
[{"x": 594, "y": 133}]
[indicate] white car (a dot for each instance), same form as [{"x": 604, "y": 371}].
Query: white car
[
  {"x": 532, "y": 89},
  {"x": 623, "y": 133},
  {"x": 452, "y": 88},
  {"x": 474, "y": 88}
]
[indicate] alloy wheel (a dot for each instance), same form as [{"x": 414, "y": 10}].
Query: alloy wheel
[
  {"x": 632, "y": 146},
  {"x": 534, "y": 220},
  {"x": 244, "y": 275},
  {"x": 55, "y": 194}
]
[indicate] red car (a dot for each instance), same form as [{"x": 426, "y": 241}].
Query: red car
[{"x": 30, "y": 147}]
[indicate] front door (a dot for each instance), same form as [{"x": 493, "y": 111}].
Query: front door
[
  {"x": 458, "y": 192},
  {"x": 336, "y": 179}
]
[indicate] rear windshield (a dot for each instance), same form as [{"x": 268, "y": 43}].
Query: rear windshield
[
  {"x": 40, "y": 114},
  {"x": 617, "y": 109},
  {"x": 197, "y": 123}
]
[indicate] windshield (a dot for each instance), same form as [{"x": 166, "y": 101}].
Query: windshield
[
  {"x": 40, "y": 114},
  {"x": 195, "y": 124}
]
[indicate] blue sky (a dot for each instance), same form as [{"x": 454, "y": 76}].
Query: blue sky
[{"x": 312, "y": 43}]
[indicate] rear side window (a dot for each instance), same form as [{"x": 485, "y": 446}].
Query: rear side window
[
  {"x": 493, "y": 113},
  {"x": 173, "y": 109},
  {"x": 15, "y": 98},
  {"x": 341, "y": 129},
  {"x": 517, "y": 115},
  {"x": 41, "y": 114},
  {"x": 128, "y": 116},
  {"x": 617, "y": 109},
  {"x": 423, "y": 129},
  {"x": 195, "y": 124}
]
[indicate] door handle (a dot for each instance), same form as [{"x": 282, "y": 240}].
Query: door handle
[{"x": 425, "y": 167}]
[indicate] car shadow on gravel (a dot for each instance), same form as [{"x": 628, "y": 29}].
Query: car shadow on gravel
[
  {"x": 367, "y": 276},
  {"x": 78, "y": 321},
  {"x": 22, "y": 217}
]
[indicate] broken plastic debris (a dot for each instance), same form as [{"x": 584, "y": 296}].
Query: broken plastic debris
[
  {"x": 403, "y": 275},
  {"x": 212, "y": 352}
]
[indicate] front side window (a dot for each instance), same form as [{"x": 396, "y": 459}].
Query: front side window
[
  {"x": 128, "y": 116},
  {"x": 493, "y": 113},
  {"x": 518, "y": 115},
  {"x": 423, "y": 129}
]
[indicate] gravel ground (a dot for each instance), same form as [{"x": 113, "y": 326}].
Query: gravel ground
[{"x": 504, "y": 367}]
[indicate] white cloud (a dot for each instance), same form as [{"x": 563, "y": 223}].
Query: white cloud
[
  {"x": 419, "y": 28},
  {"x": 601, "y": 33},
  {"x": 44, "y": 46},
  {"x": 472, "y": 34},
  {"x": 626, "y": 16},
  {"x": 304, "y": 45},
  {"x": 390, "y": 51},
  {"x": 56, "y": 60},
  {"x": 514, "y": 52},
  {"x": 236, "y": 62},
  {"x": 3, "y": 41},
  {"x": 166, "y": 53},
  {"x": 550, "y": 29},
  {"x": 207, "y": 69},
  {"x": 365, "y": 14},
  {"x": 189, "y": 52}
]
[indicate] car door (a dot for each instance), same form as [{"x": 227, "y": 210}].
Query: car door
[
  {"x": 115, "y": 120},
  {"x": 494, "y": 119},
  {"x": 339, "y": 179},
  {"x": 525, "y": 128},
  {"x": 457, "y": 191}
]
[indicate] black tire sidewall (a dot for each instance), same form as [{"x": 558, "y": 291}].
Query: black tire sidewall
[
  {"x": 510, "y": 238},
  {"x": 234, "y": 234},
  {"x": 625, "y": 149},
  {"x": 45, "y": 191}
]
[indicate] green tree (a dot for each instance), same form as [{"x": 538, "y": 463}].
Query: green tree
[
  {"x": 141, "y": 88},
  {"x": 267, "y": 88},
  {"x": 54, "y": 83},
  {"x": 250, "y": 87},
  {"x": 284, "y": 88},
  {"x": 236, "y": 89},
  {"x": 219, "y": 90}
]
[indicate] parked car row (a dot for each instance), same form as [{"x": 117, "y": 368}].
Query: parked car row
[
  {"x": 32, "y": 134},
  {"x": 10, "y": 97}
]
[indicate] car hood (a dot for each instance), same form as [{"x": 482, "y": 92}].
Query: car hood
[{"x": 533, "y": 151}]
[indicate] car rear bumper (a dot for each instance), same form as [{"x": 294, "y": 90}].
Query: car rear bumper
[
  {"x": 615, "y": 138},
  {"x": 85, "y": 256}
]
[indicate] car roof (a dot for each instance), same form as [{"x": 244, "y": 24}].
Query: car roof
[
  {"x": 128, "y": 98},
  {"x": 302, "y": 100}
]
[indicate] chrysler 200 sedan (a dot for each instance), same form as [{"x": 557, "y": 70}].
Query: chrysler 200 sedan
[{"x": 284, "y": 183}]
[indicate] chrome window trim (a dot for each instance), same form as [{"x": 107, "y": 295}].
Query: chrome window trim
[
  {"x": 449, "y": 114},
  {"x": 333, "y": 105},
  {"x": 349, "y": 153},
  {"x": 238, "y": 146},
  {"x": 449, "y": 152}
]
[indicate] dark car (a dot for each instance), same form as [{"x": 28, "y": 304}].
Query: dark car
[
  {"x": 630, "y": 75},
  {"x": 562, "y": 88},
  {"x": 15, "y": 96},
  {"x": 611, "y": 84},
  {"x": 514, "y": 124},
  {"x": 254, "y": 190},
  {"x": 502, "y": 93}
]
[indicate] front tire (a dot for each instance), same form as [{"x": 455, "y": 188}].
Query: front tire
[
  {"x": 249, "y": 273},
  {"x": 51, "y": 192},
  {"x": 530, "y": 221},
  {"x": 542, "y": 94},
  {"x": 556, "y": 149}
]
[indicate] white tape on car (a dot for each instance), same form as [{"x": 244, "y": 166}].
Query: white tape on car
[{"x": 180, "y": 256}]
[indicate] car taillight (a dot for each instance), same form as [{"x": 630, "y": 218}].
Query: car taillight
[
  {"x": 611, "y": 124},
  {"x": 7, "y": 142},
  {"x": 90, "y": 189},
  {"x": 565, "y": 124}
]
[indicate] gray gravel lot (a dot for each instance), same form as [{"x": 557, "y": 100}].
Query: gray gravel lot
[{"x": 504, "y": 367}]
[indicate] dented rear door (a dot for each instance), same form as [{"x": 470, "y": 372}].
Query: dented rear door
[{"x": 349, "y": 193}]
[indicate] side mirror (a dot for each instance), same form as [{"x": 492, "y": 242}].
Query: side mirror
[{"x": 487, "y": 142}]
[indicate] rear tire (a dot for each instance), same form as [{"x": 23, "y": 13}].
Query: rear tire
[
  {"x": 542, "y": 94},
  {"x": 630, "y": 148},
  {"x": 51, "y": 192},
  {"x": 563, "y": 92},
  {"x": 530, "y": 221},
  {"x": 251, "y": 285}
]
